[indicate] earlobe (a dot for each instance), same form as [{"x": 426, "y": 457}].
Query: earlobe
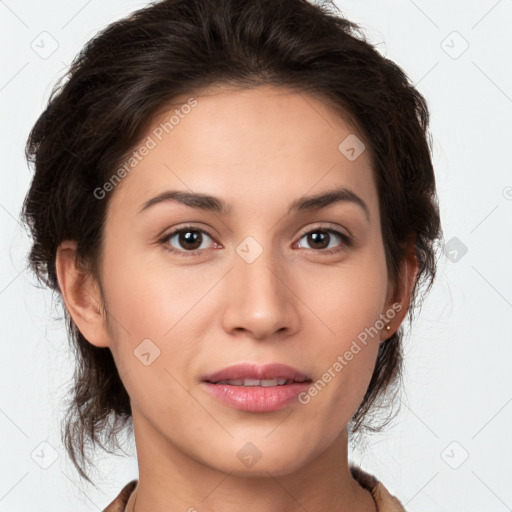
[
  {"x": 81, "y": 295},
  {"x": 399, "y": 300}
]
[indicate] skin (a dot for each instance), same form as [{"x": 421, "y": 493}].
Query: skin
[{"x": 258, "y": 149}]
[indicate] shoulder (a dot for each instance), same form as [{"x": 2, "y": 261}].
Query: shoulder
[
  {"x": 119, "y": 504},
  {"x": 385, "y": 501}
]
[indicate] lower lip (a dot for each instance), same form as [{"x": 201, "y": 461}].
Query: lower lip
[{"x": 257, "y": 398}]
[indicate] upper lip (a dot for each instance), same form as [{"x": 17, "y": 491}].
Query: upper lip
[{"x": 255, "y": 371}]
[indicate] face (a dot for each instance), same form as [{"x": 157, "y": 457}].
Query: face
[{"x": 262, "y": 282}]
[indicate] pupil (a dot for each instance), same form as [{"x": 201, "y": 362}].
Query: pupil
[
  {"x": 318, "y": 237},
  {"x": 188, "y": 238}
]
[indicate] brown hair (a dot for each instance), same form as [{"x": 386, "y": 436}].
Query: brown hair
[{"x": 129, "y": 73}]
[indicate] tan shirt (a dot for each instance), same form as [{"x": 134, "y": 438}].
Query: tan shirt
[{"x": 383, "y": 499}]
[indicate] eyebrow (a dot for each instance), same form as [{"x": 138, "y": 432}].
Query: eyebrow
[{"x": 214, "y": 204}]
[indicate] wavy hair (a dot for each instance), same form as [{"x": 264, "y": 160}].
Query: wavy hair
[{"x": 130, "y": 71}]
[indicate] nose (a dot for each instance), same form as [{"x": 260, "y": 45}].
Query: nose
[{"x": 259, "y": 298}]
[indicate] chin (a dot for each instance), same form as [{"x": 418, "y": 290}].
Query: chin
[{"x": 249, "y": 461}]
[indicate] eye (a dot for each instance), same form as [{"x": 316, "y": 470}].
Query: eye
[
  {"x": 187, "y": 239},
  {"x": 190, "y": 240},
  {"x": 321, "y": 239}
]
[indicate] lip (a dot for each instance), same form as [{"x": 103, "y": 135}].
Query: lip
[
  {"x": 257, "y": 398},
  {"x": 255, "y": 371}
]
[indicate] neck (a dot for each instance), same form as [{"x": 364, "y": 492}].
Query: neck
[{"x": 170, "y": 479}]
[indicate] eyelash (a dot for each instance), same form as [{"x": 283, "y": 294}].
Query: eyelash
[{"x": 346, "y": 240}]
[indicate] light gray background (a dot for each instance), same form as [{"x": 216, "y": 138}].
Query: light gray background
[{"x": 450, "y": 448}]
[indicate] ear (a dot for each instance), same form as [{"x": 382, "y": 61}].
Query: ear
[
  {"x": 400, "y": 293},
  {"x": 81, "y": 296}
]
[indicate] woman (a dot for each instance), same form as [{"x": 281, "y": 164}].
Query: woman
[{"x": 236, "y": 203}]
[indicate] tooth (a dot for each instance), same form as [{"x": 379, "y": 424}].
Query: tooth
[
  {"x": 254, "y": 382},
  {"x": 251, "y": 382}
]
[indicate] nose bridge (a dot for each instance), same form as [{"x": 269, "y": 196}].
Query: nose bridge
[
  {"x": 259, "y": 301},
  {"x": 256, "y": 267}
]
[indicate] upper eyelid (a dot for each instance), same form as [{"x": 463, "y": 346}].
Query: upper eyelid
[
  {"x": 329, "y": 228},
  {"x": 326, "y": 226},
  {"x": 185, "y": 228}
]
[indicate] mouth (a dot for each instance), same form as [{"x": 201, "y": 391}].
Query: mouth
[
  {"x": 265, "y": 383},
  {"x": 252, "y": 374},
  {"x": 254, "y": 388}
]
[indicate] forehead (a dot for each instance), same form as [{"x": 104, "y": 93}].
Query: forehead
[{"x": 242, "y": 144}]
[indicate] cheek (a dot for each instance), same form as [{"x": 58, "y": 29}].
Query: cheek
[
  {"x": 157, "y": 312},
  {"x": 349, "y": 302},
  {"x": 147, "y": 297},
  {"x": 348, "y": 299}
]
